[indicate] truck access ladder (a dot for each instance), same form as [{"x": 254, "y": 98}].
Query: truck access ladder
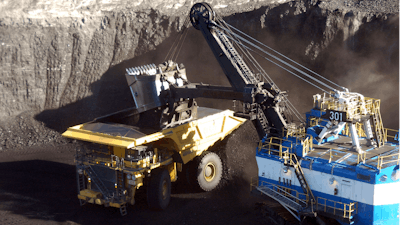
[
  {"x": 120, "y": 183},
  {"x": 291, "y": 160},
  {"x": 97, "y": 181},
  {"x": 81, "y": 183},
  {"x": 120, "y": 191}
]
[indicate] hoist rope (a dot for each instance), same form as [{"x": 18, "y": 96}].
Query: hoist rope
[
  {"x": 286, "y": 69},
  {"x": 176, "y": 47},
  {"x": 250, "y": 57},
  {"x": 281, "y": 61},
  {"x": 181, "y": 45},
  {"x": 255, "y": 40}
]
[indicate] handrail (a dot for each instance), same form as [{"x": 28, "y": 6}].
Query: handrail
[
  {"x": 313, "y": 121},
  {"x": 269, "y": 144},
  {"x": 348, "y": 208},
  {"x": 288, "y": 191},
  {"x": 253, "y": 182},
  {"x": 295, "y": 132},
  {"x": 331, "y": 103},
  {"x": 382, "y": 160},
  {"x": 359, "y": 128},
  {"x": 286, "y": 194},
  {"x": 392, "y": 133},
  {"x": 361, "y": 157},
  {"x": 308, "y": 144}
]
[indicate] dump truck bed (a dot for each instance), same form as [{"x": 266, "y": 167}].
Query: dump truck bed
[{"x": 212, "y": 125}]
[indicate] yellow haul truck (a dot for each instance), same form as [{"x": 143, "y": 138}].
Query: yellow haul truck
[{"x": 135, "y": 147}]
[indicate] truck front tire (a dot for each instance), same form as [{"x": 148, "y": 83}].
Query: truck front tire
[
  {"x": 209, "y": 171},
  {"x": 159, "y": 190}
]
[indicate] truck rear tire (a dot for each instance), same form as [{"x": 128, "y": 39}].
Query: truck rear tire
[
  {"x": 209, "y": 171},
  {"x": 159, "y": 190}
]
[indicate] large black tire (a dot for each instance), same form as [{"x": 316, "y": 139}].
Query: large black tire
[
  {"x": 159, "y": 190},
  {"x": 209, "y": 171}
]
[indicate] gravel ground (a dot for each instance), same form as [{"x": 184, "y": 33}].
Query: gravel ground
[
  {"x": 38, "y": 186},
  {"x": 24, "y": 131}
]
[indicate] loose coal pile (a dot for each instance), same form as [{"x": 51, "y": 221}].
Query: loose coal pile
[
  {"x": 238, "y": 156},
  {"x": 24, "y": 131}
]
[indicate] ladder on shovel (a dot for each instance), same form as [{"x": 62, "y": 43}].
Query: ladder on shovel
[
  {"x": 291, "y": 160},
  {"x": 378, "y": 126}
]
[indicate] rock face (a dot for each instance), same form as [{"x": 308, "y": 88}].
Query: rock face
[{"x": 65, "y": 61}]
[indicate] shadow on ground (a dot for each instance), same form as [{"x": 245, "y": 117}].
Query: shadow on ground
[{"x": 45, "y": 190}]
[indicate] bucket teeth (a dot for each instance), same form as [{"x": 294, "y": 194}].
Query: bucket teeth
[
  {"x": 132, "y": 71},
  {"x": 129, "y": 71},
  {"x": 150, "y": 69}
]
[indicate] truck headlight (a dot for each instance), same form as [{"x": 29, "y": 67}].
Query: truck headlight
[{"x": 128, "y": 176}]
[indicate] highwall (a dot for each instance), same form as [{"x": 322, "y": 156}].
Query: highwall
[{"x": 69, "y": 68}]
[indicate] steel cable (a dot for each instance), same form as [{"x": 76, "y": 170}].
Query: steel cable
[
  {"x": 288, "y": 70},
  {"x": 255, "y": 40},
  {"x": 250, "y": 57},
  {"x": 177, "y": 41},
  {"x": 283, "y": 62},
  {"x": 181, "y": 44}
]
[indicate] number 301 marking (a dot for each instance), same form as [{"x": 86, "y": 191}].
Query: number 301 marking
[{"x": 336, "y": 116}]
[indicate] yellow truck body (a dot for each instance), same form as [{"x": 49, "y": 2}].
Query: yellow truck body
[{"x": 120, "y": 147}]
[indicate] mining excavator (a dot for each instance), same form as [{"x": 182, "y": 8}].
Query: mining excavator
[{"x": 148, "y": 144}]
